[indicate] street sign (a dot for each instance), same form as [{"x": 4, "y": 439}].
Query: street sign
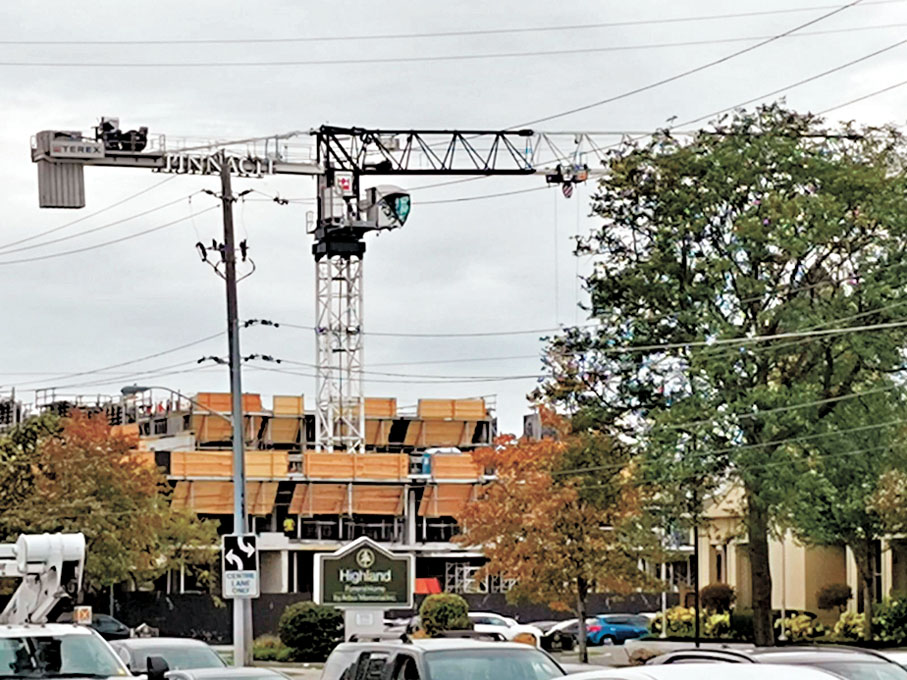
[
  {"x": 363, "y": 574},
  {"x": 239, "y": 559}
]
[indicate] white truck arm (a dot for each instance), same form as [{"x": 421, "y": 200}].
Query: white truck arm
[{"x": 50, "y": 566}]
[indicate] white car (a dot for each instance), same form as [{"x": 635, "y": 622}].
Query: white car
[
  {"x": 49, "y": 650},
  {"x": 701, "y": 671},
  {"x": 488, "y": 622}
]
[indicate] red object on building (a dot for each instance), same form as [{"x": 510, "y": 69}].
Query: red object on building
[{"x": 427, "y": 586}]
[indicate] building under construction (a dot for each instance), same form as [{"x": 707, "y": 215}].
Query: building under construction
[{"x": 404, "y": 491}]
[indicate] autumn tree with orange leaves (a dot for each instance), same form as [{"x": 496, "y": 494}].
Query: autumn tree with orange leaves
[
  {"x": 562, "y": 518},
  {"x": 79, "y": 476}
]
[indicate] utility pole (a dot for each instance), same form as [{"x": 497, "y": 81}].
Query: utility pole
[{"x": 240, "y": 605}]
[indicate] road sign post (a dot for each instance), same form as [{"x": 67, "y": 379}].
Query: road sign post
[
  {"x": 364, "y": 580},
  {"x": 240, "y": 567}
]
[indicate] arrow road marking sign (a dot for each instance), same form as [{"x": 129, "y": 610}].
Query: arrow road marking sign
[{"x": 240, "y": 566}]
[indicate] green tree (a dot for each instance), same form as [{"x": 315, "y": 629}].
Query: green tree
[
  {"x": 714, "y": 255},
  {"x": 840, "y": 479},
  {"x": 75, "y": 475}
]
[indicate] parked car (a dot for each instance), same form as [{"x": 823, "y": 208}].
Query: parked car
[
  {"x": 899, "y": 656},
  {"x": 439, "y": 659},
  {"x": 699, "y": 671},
  {"x": 846, "y": 662},
  {"x": 568, "y": 633},
  {"x": 104, "y": 624},
  {"x": 615, "y": 629},
  {"x": 178, "y": 654},
  {"x": 235, "y": 673},
  {"x": 489, "y": 622}
]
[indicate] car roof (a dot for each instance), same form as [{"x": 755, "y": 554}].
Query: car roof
[
  {"x": 795, "y": 654},
  {"x": 435, "y": 644},
  {"x": 695, "y": 671},
  {"x": 217, "y": 673},
  {"x": 152, "y": 642},
  {"x": 42, "y": 629}
]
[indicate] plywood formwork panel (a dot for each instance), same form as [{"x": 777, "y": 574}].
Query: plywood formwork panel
[
  {"x": 210, "y": 428},
  {"x": 447, "y": 432},
  {"x": 270, "y": 464},
  {"x": 328, "y": 465},
  {"x": 454, "y": 466},
  {"x": 445, "y": 500},
  {"x": 377, "y": 500},
  {"x": 380, "y": 466},
  {"x": 319, "y": 499},
  {"x": 222, "y": 402},
  {"x": 452, "y": 408},
  {"x": 380, "y": 407},
  {"x": 284, "y": 430},
  {"x": 260, "y": 497},
  {"x": 376, "y": 432},
  {"x": 216, "y": 497},
  {"x": 288, "y": 405}
]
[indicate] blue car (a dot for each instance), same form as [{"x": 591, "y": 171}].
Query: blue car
[{"x": 614, "y": 629}]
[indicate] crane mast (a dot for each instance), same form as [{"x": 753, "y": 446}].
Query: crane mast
[{"x": 345, "y": 212}]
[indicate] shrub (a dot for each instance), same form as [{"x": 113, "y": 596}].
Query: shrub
[
  {"x": 716, "y": 625},
  {"x": 849, "y": 626},
  {"x": 717, "y": 597},
  {"x": 800, "y": 627},
  {"x": 284, "y": 654},
  {"x": 310, "y": 631},
  {"x": 444, "y": 611},
  {"x": 891, "y": 621},
  {"x": 266, "y": 647},
  {"x": 679, "y": 620},
  {"x": 834, "y": 596}
]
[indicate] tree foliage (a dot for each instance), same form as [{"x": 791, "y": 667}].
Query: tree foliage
[
  {"x": 560, "y": 518},
  {"x": 444, "y": 611},
  {"x": 766, "y": 226},
  {"x": 75, "y": 475}
]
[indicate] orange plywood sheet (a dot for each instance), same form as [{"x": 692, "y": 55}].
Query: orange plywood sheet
[
  {"x": 211, "y": 498},
  {"x": 210, "y": 428},
  {"x": 381, "y": 466},
  {"x": 445, "y": 500},
  {"x": 284, "y": 430},
  {"x": 446, "y": 432},
  {"x": 222, "y": 402},
  {"x": 452, "y": 408},
  {"x": 288, "y": 405},
  {"x": 377, "y": 500},
  {"x": 454, "y": 466},
  {"x": 414, "y": 433},
  {"x": 380, "y": 407},
  {"x": 319, "y": 499},
  {"x": 328, "y": 465},
  {"x": 260, "y": 497},
  {"x": 273, "y": 464},
  {"x": 179, "y": 499}
]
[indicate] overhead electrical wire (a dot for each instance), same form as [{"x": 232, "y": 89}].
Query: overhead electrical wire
[
  {"x": 863, "y": 97},
  {"x": 100, "y": 228},
  {"x": 193, "y": 343},
  {"x": 443, "y": 57},
  {"x": 684, "y": 74},
  {"x": 116, "y": 204},
  {"x": 108, "y": 243},
  {"x": 440, "y": 34}
]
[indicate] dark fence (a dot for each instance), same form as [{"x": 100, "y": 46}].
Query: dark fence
[{"x": 202, "y": 617}]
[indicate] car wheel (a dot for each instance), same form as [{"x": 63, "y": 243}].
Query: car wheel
[{"x": 608, "y": 640}]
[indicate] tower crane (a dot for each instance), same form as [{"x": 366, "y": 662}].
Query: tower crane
[{"x": 345, "y": 158}]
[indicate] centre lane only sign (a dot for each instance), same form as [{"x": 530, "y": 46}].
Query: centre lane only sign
[
  {"x": 363, "y": 574},
  {"x": 240, "y": 566}
]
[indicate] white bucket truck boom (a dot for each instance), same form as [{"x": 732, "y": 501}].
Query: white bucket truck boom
[{"x": 50, "y": 566}]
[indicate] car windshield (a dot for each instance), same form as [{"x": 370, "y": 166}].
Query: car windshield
[
  {"x": 179, "y": 658},
  {"x": 58, "y": 656},
  {"x": 864, "y": 670},
  {"x": 491, "y": 664}
]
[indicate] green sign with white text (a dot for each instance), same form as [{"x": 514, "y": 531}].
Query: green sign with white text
[{"x": 363, "y": 574}]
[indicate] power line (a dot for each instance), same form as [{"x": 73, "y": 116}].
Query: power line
[
  {"x": 684, "y": 74},
  {"x": 480, "y": 334},
  {"x": 865, "y": 96},
  {"x": 463, "y": 199},
  {"x": 171, "y": 350},
  {"x": 100, "y": 228},
  {"x": 111, "y": 242},
  {"x": 437, "y": 34},
  {"x": 444, "y": 57},
  {"x": 90, "y": 215}
]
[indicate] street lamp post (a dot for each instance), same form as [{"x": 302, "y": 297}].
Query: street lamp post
[{"x": 241, "y": 619}]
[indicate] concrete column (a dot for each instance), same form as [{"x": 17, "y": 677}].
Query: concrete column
[{"x": 886, "y": 567}]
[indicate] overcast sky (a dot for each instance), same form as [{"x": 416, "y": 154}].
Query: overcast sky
[{"x": 498, "y": 264}]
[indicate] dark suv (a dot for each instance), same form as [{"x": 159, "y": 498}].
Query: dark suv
[
  {"x": 846, "y": 662},
  {"x": 439, "y": 659}
]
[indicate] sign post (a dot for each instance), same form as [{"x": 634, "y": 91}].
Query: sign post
[
  {"x": 239, "y": 561},
  {"x": 364, "y": 580}
]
